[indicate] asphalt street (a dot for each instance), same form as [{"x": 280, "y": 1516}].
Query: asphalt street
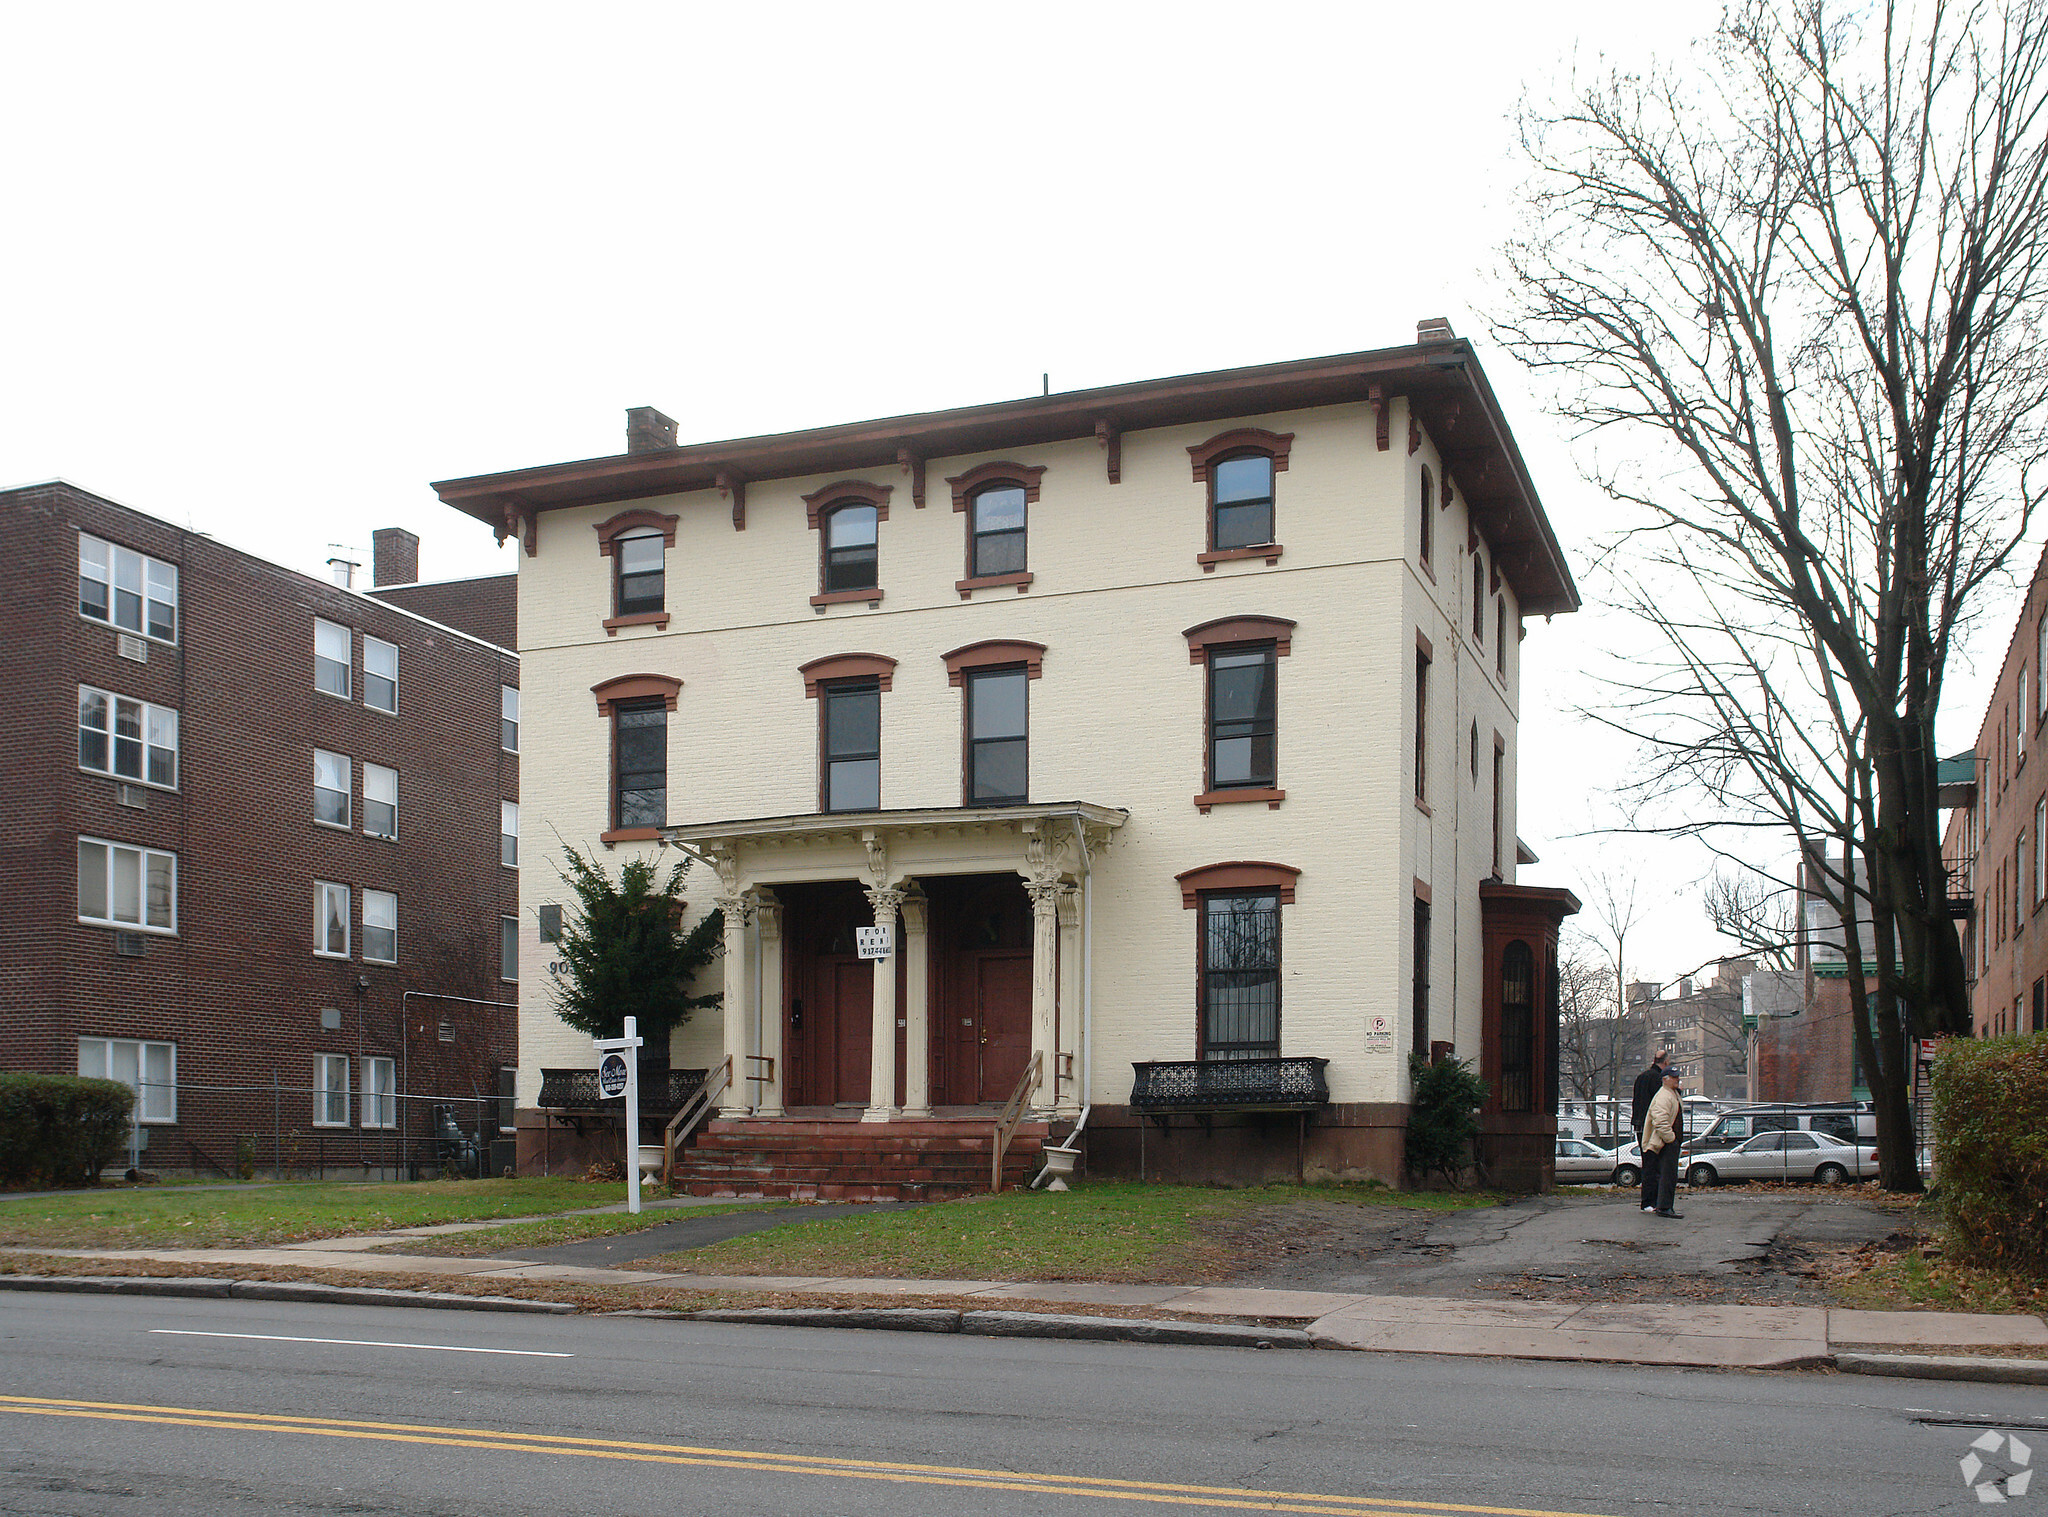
[{"x": 120, "y": 1405}]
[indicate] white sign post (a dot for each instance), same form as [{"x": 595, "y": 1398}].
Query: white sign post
[
  {"x": 618, "y": 1070},
  {"x": 873, "y": 942}
]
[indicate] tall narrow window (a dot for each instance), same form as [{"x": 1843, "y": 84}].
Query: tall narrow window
[
  {"x": 121, "y": 886},
  {"x": 508, "y": 718},
  {"x": 1241, "y": 717},
  {"x": 1478, "y": 599},
  {"x": 852, "y": 719},
  {"x": 997, "y": 546},
  {"x": 1418, "y": 1037},
  {"x": 2041, "y": 662},
  {"x": 2019, "y": 731},
  {"x": 639, "y": 555},
  {"x": 1500, "y": 803},
  {"x": 380, "y": 801},
  {"x": 508, "y": 949},
  {"x": 997, "y": 736},
  {"x": 380, "y": 1093},
  {"x": 333, "y": 657},
  {"x": 380, "y": 927},
  {"x": 1240, "y": 975},
  {"x": 1500, "y": 636},
  {"x": 126, "y": 589},
  {"x": 850, "y": 555},
  {"x": 380, "y": 673},
  {"x": 330, "y": 1090},
  {"x": 508, "y": 834},
  {"x": 330, "y": 788},
  {"x": 2041, "y": 850},
  {"x": 640, "y": 747},
  {"x": 1517, "y": 1027},
  {"x": 1427, "y": 525},
  {"x": 1241, "y": 502},
  {"x": 1422, "y": 725},
  {"x": 330, "y": 920}
]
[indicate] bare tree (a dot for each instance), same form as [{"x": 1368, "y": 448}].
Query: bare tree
[
  {"x": 1756, "y": 912},
  {"x": 1590, "y": 1034},
  {"x": 1608, "y": 916},
  {"x": 1796, "y": 297}
]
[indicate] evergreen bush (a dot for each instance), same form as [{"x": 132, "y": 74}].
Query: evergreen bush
[
  {"x": 60, "y": 1129},
  {"x": 1443, "y": 1118},
  {"x": 1991, "y": 1136},
  {"x": 624, "y": 953}
]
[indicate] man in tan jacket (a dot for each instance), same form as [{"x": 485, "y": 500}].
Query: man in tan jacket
[{"x": 1661, "y": 1135}]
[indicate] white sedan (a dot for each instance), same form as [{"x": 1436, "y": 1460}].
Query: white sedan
[
  {"x": 1583, "y": 1163},
  {"x": 1786, "y": 1156}
]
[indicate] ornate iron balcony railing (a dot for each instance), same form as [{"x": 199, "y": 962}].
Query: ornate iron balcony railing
[{"x": 1230, "y": 1085}]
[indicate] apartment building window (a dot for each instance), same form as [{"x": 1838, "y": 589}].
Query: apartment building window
[
  {"x": 380, "y": 927},
  {"x": 2041, "y": 662},
  {"x": 1427, "y": 525},
  {"x": 330, "y": 1090},
  {"x": 333, "y": 657},
  {"x": 2019, "y": 731},
  {"x": 508, "y": 718},
  {"x": 996, "y": 534},
  {"x": 640, "y": 558},
  {"x": 1240, "y": 974},
  {"x": 380, "y": 673},
  {"x": 1421, "y": 735},
  {"x": 380, "y": 1092},
  {"x": 1500, "y": 801},
  {"x": 508, "y": 949},
  {"x": 1241, "y": 501},
  {"x": 129, "y": 739},
  {"x": 2019, "y": 882},
  {"x": 148, "y": 1069},
  {"x": 508, "y": 834},
  {"x": 1418, "y": 1037},
  {"x": 123, "y": 588},
  {"x": 1500, "y": 636},
  {"x": 508, "y": 1098},
  {"x": 1517, "y": 1027},
  {"x": 124, "y": 886},
  {"x": 640, "y": 743},
  {"x": 330, "y": 920},
  {"x": 852, "y": 560},
  {"x": 2041, "y": 850},
  {"x": 330, "y": 788},
  {"x": 380, "y": 801},
  {"x": 852, "y": 725},
  {"x": 1242, "y": 717},
  {"x": 998, "y": 743},
  {"x": 1478, "y": 599}
]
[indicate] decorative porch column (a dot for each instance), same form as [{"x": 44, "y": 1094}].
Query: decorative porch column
[
  {"x": 917, "y": 1022},
  {"x": 1045, "y": 895},
  {"x": 882, "y": 1056},
  {"x": 739, "y": 911},
  {"x": 1065, "y": 1095},
  {"x": 768, "y": 928}
]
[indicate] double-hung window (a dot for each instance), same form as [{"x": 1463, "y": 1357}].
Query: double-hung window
[
  {"x": 508, "y": 718},
  {"x": 1241, "y": 502},
  {"x": 380, "y": 801},
  {"x": 851, "y": 561},
  {"x": 997, "y": 544},
  {"x": 333, "y": 657},
  {"x": 640, "y": 743},
  {"x": 126, "y": 589},
  {"x": 148, "y": 1069},
  {"x": 852, "y": 719},
  {"x": 508, "y": 834},
  {"x": 639, "y": 555},
  {"x": 124, "y": 886},
  {"x": 508, "y": 949},
  {"x": 1241, "y": 717},
  {"x": 380, "y": 673},
  {"x": 380, "y": 1093},
  {"x": 1240, "y": 970},
  {"x": 330, "y": 920},
  {"x": 998, "y": 742},
  {"x": 380, "y": 927},
  {"x": 330, "y": 1090},
  {"x": 129, "y": 739},
  {"x": 330, "y": 788}
]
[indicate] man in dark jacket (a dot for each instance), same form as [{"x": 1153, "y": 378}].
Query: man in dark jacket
[{"x": 1648, "y": 1083}]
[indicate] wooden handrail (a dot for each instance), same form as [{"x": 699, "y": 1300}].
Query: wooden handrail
[
  {"x": 1013, "y": 1113},
  {"x": 692, "y": 1112}
]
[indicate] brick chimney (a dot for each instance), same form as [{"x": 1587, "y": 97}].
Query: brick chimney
[
  {"x": 394, "y": 557},
  {"x": 647, "y": 430},
  {"x": 1434, "y": 329}
]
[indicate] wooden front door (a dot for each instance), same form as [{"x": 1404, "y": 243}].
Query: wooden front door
[
  {"x": 847, "y": 1027},
  {"x": 829, "y": 995},
  {"x": 1003, "y": 1009},
  {"x": 981, "y": 987}
]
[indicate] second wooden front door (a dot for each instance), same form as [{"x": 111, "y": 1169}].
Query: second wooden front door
[{"x": 1003, "y": 1010}]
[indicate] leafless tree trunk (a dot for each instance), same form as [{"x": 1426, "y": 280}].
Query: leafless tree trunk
[{"x": 1794, "y": 298}]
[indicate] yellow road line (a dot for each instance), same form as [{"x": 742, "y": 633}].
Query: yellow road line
[{"x": 760, "y": 1461}]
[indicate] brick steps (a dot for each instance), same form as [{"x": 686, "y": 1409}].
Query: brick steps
[{"x": 853, "y": 1161}]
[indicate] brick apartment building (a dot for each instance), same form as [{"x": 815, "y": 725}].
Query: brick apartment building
[
  {"x": 1702, "y": 1026},
  {"x": 261, "y": 848}
]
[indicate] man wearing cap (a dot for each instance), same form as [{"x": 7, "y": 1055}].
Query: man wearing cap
[
  {"x": 1661, "y": 1133},
  {"x": 1648, "y": 1083}
]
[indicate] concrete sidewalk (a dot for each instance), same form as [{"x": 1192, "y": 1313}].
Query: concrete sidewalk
[{"x": 1717, "y": 1337}]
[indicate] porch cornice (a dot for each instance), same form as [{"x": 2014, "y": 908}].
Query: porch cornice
[{"x": 851, "y": 826}]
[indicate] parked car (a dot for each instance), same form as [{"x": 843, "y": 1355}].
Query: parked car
[
  {"x": 1628, "y": 1165},
  {"x": 1581, "y": 1162},
  {"x": 1785, "y": 1156},
  {"x": 1845, "y": 1121}
]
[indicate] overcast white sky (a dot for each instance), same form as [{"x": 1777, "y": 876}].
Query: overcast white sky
[{"x": 267, "y": 270}]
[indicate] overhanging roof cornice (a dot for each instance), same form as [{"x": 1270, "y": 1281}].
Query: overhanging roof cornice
[
  {"x": 1442, "y": 380},
  {"x": 851, "y": 826}
]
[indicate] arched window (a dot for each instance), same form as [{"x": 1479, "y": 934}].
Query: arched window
[
  {"x": 1428, "y": 515},
  {"x": 640, "y": 579},
  {"x": 850, "y": 557},
  {"x": 995, "y": 543},
  {"x": 1478, "y": 599},
  {"x": 1238, "y": 466},
  {"x": 1517, "y": 1027}
]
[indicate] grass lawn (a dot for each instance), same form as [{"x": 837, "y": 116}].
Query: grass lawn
[
  {"x": 1100, "y": 1230},
  {"x": 182, "y": 1218},
  {"x": 508, "y": 1241}
]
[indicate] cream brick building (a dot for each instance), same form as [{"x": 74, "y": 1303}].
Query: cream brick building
[{"x": 1110, "y": 705}]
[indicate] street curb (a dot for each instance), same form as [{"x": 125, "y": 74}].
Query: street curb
[
  {"x": 901, "y": 1319},
  {"x": 1131, "y": 1330},
  {"x": 1946, "y": 1367},
  {"x": 269, "y": 1290}
]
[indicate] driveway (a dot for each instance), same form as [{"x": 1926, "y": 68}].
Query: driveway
[{"x": 1729, "y": 1248}]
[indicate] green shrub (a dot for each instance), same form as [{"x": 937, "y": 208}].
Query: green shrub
[
  {"x": 60, "y": 1129},
  {"x": 1991, "y": 1136},
  {"x": 1444, "y": 1118}
]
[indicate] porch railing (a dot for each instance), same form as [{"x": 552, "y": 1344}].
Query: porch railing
[
  {"x": 1013, "y": 1113},
  {"x": 699, "y": 1105}
]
